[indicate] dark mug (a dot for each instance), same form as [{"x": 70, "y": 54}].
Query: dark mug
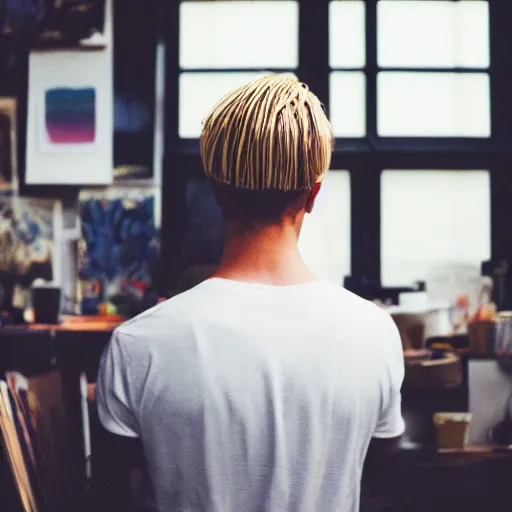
[{"x": 46, "y": 304}]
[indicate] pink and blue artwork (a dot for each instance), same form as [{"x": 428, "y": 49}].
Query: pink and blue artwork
[{"x": 70, "y": 115}]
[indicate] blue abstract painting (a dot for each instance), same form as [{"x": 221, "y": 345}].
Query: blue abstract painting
[{"x": 120, "y": 248}]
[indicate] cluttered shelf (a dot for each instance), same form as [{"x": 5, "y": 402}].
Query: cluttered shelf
[
  {"x": 76, "y": 323},
  {"x": 75, "y": 346}
]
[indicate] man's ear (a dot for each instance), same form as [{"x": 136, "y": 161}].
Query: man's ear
[{"x": 310, "y": 201}]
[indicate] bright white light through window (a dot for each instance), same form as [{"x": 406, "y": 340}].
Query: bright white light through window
[
  {"x": 347, "y": 108},
  {"x": 433, "y": 104},
  {"x": 440, "y": 34},
  {"x": 347, "y": 39},
  {"x": 432, "y": 218},
  {"x": 325, "y": 238},
  {"x": 200, "y": 91},
  {"x": 239, "y": 34}
]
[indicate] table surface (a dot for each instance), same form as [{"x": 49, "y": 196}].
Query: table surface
[{"x": 80, "y": 323}]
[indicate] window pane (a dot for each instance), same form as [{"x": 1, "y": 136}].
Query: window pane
[
  {"x": 199, "y": 92},
  {"x": 325, "y": 237},
  {"x": 432, "y": 218},
  {"x": 347, "y": 40},
  {"x": 433, "y": 33},
  {"x": 348, "y": 103},
  {"x": 433, "y": 104},
  {"x": 239, "y": 34},
  {"x": 204, "y": 228}
]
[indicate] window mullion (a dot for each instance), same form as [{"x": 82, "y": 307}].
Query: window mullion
[
  {"x": 371, "y": 69},
  {"x": 171, "y": 13},
  {"x": 314, "y": 47},
  {"x": 365, "y": 217},
  {"x": 500, "y": 14}
]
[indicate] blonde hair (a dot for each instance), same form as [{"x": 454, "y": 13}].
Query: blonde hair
[{"x": 271, "y": 134}]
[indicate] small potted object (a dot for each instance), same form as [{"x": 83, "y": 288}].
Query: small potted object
[{"x": 482, "y": 326}]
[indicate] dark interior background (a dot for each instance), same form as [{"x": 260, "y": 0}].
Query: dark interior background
[{"x": 138, "y": 26}]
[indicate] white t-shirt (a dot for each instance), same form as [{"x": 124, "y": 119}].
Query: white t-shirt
[{"x": 255, "y": 398}]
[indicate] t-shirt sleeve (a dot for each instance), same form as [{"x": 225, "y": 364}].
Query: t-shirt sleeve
[
  {"x": 390, "y": 423},
  {"x": 112, "y": 393}
]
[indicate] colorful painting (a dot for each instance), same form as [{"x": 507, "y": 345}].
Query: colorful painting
[
  {"x": 70, "y": 115},
  {"x": 119, "y": 250},
  {"x": 26, "y": 246}
]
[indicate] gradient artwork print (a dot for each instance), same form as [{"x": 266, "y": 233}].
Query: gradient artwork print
[{"x": 70, "y": 116}]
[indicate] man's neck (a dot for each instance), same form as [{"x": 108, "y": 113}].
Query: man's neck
[{"x": 267, "y": 255}]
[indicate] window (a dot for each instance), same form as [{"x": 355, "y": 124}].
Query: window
[
  {"x": 418, "y": 93},
  {"x": 325, "y": 238},
  {"x": 444, "y": 39},
  {"x": 203, "y": 230},
  {"x": 433, "y": 104},
  {"x": 431, "y": 218},
  {"x": 429, "y": 60},
  {"x": 439, "y": 34},
  {"x": 347, "y": 41},
  {"x": 228, "y": 34},
  {"x": 200, "y": 91},
  {"x": 225, "y": 44},
  {"x": 347, "y": 59},
  {"x": 348, "y": 103}
]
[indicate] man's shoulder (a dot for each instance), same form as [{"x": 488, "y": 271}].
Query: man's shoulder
[
  {"x": 357, "y": 305},
  {"x": 172, "y": 312},
  {"x": 372, "y": 321},
  {"x": 176, "y": 315}
]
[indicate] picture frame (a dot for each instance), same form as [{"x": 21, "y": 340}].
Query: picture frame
[{"x": 8, "y": 145}]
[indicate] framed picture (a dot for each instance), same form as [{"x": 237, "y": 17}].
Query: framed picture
[
  {"x": 70, "y": 116},
  {"x": 29, "y": 234},
  {"x": 119, "y": 247},
  {"x": 8, "y": 146}
]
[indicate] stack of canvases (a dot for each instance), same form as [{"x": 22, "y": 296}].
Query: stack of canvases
[
  {"x": 18, "y": 450},
  {"x": 34, "y": 451},
  {"x": 27, "y": 225}
]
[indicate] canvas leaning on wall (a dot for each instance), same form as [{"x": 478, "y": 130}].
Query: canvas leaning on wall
[
  {"x": 70, "y": 118},
  {"x": 118, "y": 250},
  {"x": 27, "y": 241},
  {"x": 8, "y": 146}
]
